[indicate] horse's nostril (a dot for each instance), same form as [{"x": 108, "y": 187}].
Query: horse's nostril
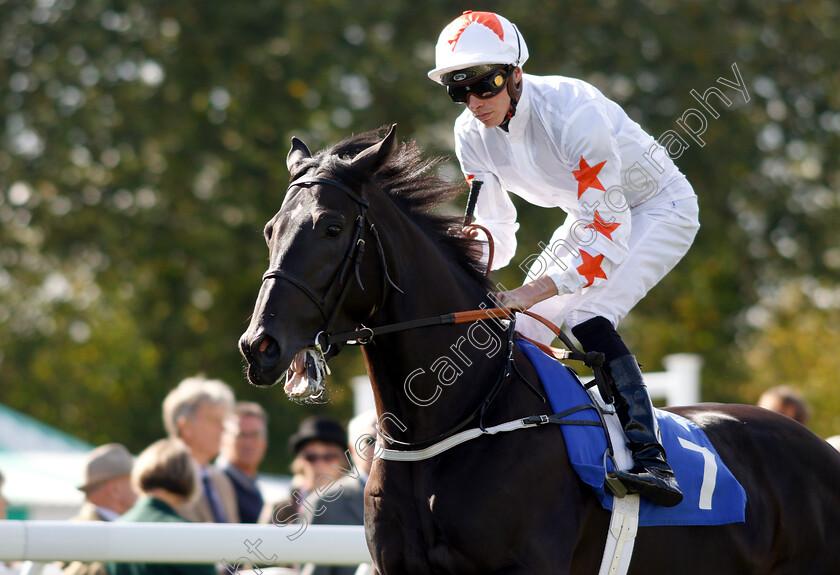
[{"x": 268, "y": 348}]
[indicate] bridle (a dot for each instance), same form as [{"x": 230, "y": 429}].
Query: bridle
[
  {"x": 352, "y": 260},
  {"x": 355, "y": 251}
]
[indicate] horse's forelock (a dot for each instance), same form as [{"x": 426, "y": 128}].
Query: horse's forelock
[{"x": 406, "y": 175}]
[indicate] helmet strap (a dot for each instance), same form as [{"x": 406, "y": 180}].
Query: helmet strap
[{"x": 514, "y": 90}]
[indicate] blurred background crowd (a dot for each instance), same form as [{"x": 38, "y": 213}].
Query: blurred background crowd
[{"x": 207, "y": 469}]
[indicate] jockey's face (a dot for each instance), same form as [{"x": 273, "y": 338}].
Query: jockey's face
[{"x": 492, "y": 111}]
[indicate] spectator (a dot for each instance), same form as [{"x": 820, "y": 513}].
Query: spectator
[
  {"x": 5, "y": 568},
  {"x": 4, "y": 503},
  {"x": 344, "y": 502},
  {"x": 243, "y": 449},
  {"x": 787, "y": 401},
  {"x": 362, "y": 435},
  {"x": 319, "y": 443},
  {"x": 107, "y": 484},
  {"x": 167, "y": 477},
  {"x": 108, "y": 494},
  {"x": 195, "y": 412}
]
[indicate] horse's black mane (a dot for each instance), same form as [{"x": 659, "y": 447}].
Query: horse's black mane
[{"x": 410, "y": 181}]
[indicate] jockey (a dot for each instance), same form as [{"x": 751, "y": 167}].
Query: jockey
[{"x": 559, "y": 142}]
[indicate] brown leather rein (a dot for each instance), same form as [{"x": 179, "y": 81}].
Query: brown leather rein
[
  {"x": 365, "y": 334},
  {"x": 594, "y": 360},
  {"x": 491, "y": 248}
]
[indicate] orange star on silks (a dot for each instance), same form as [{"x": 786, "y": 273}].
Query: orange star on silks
[
  {"x": 591, "y": 267},
  {"x": 587, "y": 177},
  {"x": 600, "y": 226}
]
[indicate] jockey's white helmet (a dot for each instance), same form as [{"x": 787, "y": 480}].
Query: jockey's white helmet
[{"x": 475, "y": 39}]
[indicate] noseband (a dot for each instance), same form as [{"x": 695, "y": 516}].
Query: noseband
[{"x": 352, "y": 259}]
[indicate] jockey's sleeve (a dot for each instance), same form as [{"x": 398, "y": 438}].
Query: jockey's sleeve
[
  {"x": 599, "y": 229},
  {"x": 494, "y": 208}
]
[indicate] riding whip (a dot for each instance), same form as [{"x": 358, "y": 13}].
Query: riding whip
[{"x": 475, "y": 188}]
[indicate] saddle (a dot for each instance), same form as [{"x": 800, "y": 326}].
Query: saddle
[{"x": 712, "y": 494}]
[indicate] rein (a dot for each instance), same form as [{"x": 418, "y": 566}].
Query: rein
[
  {"x": 365, "y": 335},
  {"x": 420, "y": 450},
  {"x": 433, "y": 446},
  {"x": 490, "y": 245}
]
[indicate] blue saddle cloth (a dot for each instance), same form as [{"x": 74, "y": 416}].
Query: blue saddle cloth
[{"x": 712, "y": 495}]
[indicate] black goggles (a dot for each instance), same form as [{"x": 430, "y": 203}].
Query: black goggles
[{"x": 485, "y": 87}]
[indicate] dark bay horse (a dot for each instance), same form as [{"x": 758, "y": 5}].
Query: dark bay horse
[{"x": 356, "y": 243}]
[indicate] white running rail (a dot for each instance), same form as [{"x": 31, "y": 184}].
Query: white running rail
[{"x": 181, "y": 543}]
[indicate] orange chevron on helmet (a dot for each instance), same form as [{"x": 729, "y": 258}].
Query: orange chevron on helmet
[{"x": 457, "y": 26}]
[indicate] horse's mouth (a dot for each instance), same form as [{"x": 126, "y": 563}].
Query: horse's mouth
[{"x": 305, "y": 376}]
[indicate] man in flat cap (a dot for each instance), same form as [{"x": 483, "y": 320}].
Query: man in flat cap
[
  {"x": 107, "y": 484},
  {"x": 108, "y": 493}
]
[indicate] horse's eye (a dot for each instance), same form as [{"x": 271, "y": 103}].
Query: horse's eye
[
  {"x": 269, "y": 229},
  {"x": 333, "y": 230}
]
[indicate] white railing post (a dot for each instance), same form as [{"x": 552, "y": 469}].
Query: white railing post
[
  {"x": 686, "y": 369},
  {"x": 679, "y": 384},
  {"x": 362, "y": 394}
]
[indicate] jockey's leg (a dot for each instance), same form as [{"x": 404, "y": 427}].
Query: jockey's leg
[{"x": 650, "y": 476}]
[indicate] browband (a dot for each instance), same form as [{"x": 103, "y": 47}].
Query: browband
[{"x": 332, "y": 183}]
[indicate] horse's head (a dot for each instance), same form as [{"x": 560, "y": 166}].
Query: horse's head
[{"x": 317, "y": 276}]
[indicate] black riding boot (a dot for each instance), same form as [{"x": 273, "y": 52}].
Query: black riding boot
[{"x": 651, "y": 476}]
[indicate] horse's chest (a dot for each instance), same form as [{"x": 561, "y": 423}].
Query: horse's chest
[
  {"x": 475, "y": 513},
  {"x": 441, "y": 527},
  {"x": 461, "y": 525}
]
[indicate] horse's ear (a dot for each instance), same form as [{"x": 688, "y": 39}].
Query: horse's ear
[
  {"x": 297, "y": 154},
  {"x": 374, "y": 157}
]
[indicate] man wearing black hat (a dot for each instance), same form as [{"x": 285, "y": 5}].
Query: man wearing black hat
[
  {"x": 343, "y": 503},
  {"x": 318, "y": 448}
]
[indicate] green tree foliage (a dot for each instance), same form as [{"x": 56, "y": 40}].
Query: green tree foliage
[
  {"x": 795, "y": 347},
  {"x": 143, "y": 149}
]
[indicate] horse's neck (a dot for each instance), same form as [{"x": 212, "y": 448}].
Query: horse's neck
[{"x": 431, "y": 378}]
